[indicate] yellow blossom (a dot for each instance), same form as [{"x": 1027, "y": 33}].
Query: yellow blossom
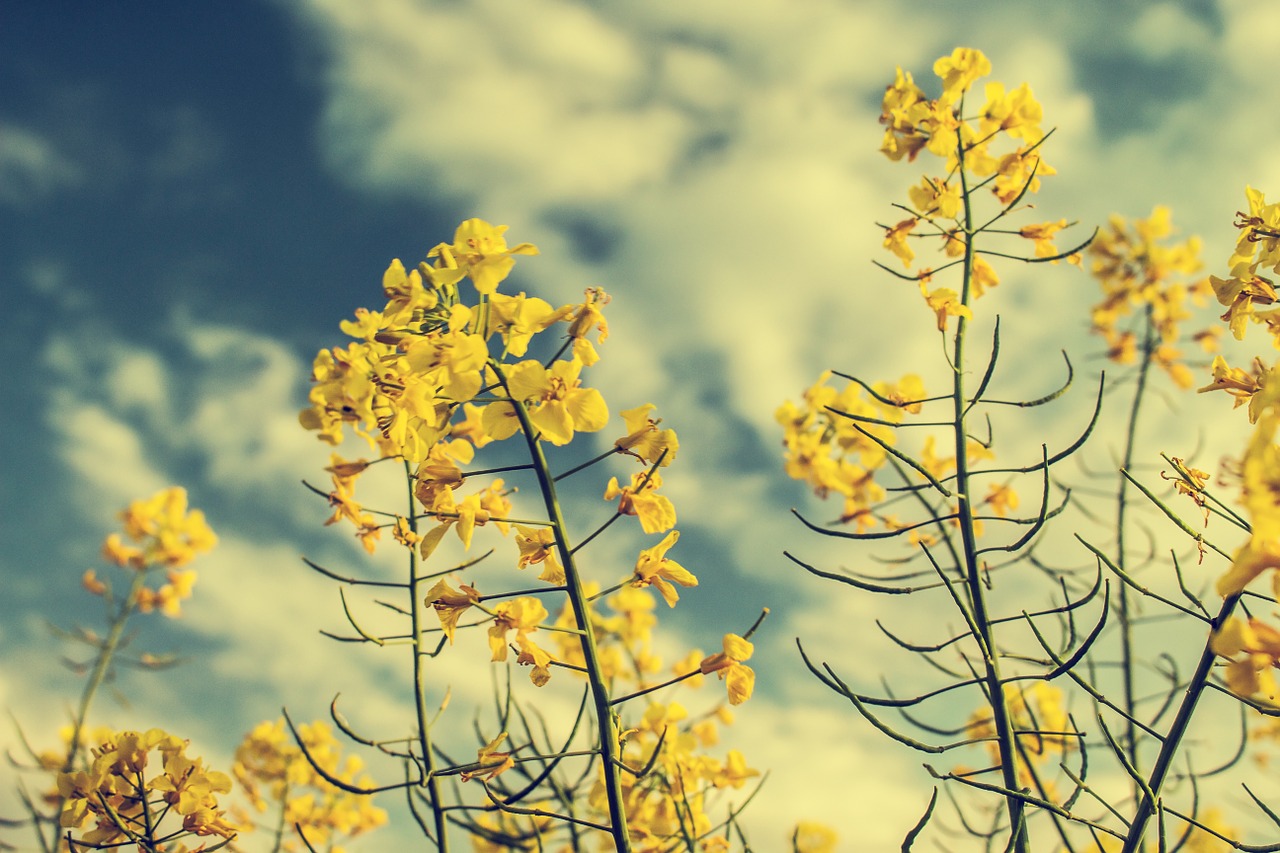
[
  {"x": 895, "y": 240},
  {"x": 739, "y": 678},
  {"x": 521, "y": 317},
  {"x": 1042, "y": 236},
  {"x": 557, "y": 403},
  {"x": 1017, "y": 113},
  {"x": 959, "y": 71},
  {"x": 450, "y": 604},
  {"x": 945, "y": 303},
  {"x": 480, "y": 250},
  {"x": 655, "y": 511},
  {"x": 935, "y": 197},
  {"x": 644, "y": 440},
  {"x": 538, "y": 545},
  {"x": 1253, "y": 651},
  {"x": 521, "y": 615},
  {"x": 653, "y": 568}
]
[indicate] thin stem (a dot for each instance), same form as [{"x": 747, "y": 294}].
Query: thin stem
[
  {"x": 1124, "y": 603},
  {"x": 416, "y": 605},
  {"x": 127, "y": 606},
  {"x": 606, "y": 724},
  {"x": 1173, "y": 740},
  {"x": 973, "y": 575}
]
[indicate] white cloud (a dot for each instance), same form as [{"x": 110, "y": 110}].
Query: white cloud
[
  {"x": 31, "y": 168},
  {"x": 1166, "y": 31}
]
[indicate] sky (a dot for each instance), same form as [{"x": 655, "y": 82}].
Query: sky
[{"x": 192, "y": 196}]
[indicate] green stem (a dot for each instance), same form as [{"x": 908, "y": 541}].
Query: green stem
[
  {"x": 578, "y": 600},
  {"x": 416, "y": 605},
  {"x": 994, "y": 685},
  {"x": 1124, "y": 604},
  {"x": 1173, "y": 740},
  {"x": 125, "y": 608},
  {"x": 284, "y": 800}
]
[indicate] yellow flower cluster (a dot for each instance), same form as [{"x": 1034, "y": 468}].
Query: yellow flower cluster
[
  {"x": 1139, "y": 268},
  {"x": 431, "y": 380},
  {"x": 969, "y": 144},
  {"x": 131, "y": 804},
  {"x": 1246, "y": 289},
  {"x": 1252, "y": 646},
  {"x": 838, "y": 454},
  {"x": 161, "y": 534},
  {"x": 673, "y": 801},
  {"x": 420, "y": 360},
  {"x": 271, "y": 767}
]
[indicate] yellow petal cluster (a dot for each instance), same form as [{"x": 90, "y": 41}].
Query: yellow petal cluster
[
  {"x": 1145, "y": 278},
  {"x": 133, "y": 778}
]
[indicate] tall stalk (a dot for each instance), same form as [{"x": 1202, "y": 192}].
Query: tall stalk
[
  {"x": 1124, "y": 599},
  {"x": 125, "y": 608},
  {"x": 419, "y": 651},
  {"x": 993, "y": 684},
  {"x": 607, "y": 728}
]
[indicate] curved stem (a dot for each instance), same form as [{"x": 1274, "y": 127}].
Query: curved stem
[{"x": 578, "y": 600}]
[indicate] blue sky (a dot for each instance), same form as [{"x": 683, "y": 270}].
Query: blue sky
[{"x": 192, "y": 196}]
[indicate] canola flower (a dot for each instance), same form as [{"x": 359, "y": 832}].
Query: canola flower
[
  {"x": 450, "y": 372},
  {"x": 137, "y": 785},
  {"x": 272, "y": 769},
  {"x": 160, "y": 537},
  {"x": 980, "y": 147},
  {"x": 1140, "y": 270}
]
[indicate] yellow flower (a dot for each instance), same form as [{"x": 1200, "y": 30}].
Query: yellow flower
[
  {"x": 406, "y": 294},
  {"x": 115, "y": 551},
  {"x": 117, "y": 793},
  {"x": 945, "y": 302},
  {"x": 522, "y": 615},
  {"x": 1241, "y": 293},
  {"x": 532, "y": 655},
  {"x": 811, "y": 837},
  {"x": 1042, "y": 236},
  {"x": 655, "y": 511},
  {"x": 1019, "y": 170},
  {"x": 653, "y": 568},
  {"x": 268, "y": 764},
  {"x": 1017, "y": 113},
  {"x": 588, "y": 317},
  {"x": 558, "y": 404},
  {"x": 450, "y": 604},
  {"x": 167, "y": 532},
  {"x": 735, "y": 772},
  {"x": 984, "y": 277},
  {"x": 491, "y": 761},
  {"x": 644, "y": 440},
  {"x": 1259, "y": 643},
  {"x": 519, "y": 318},
  {"x": 895, "y": 240},
  {"x": 439, "y": 471},
  {"x": 738, "y": 678},
  {"x": 902, "y": 137},
  {"x": 481, "y": 251},
  {"x": 538, "y": 545},
  {"x": 168, "y": 597},
  {"x": 959, "y": 71},
  {"x": 1002, "y": 499},
  {"x": 935, "y": 197}
]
